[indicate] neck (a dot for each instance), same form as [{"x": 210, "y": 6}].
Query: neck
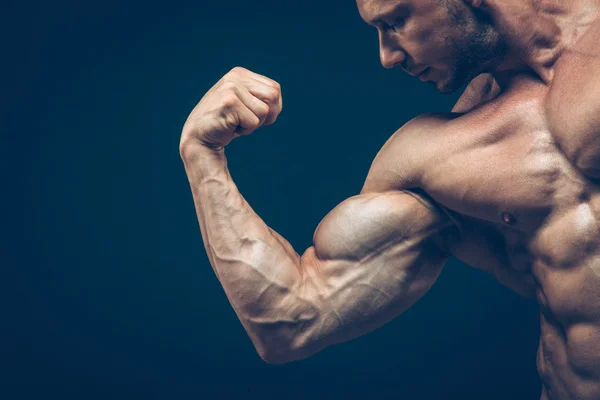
[{"x": 539, "y": 31}]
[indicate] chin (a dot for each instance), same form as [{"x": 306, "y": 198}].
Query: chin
[
  {"x": 446, "y": 87},
  {"x": 446, "y": 83},
  {"x": 452, "y": 83}
]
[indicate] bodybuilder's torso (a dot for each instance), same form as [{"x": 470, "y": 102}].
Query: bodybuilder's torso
[{"x": 523, "y": 210}]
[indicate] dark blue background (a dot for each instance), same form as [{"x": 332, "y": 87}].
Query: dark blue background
[{"x": 108, "y": 291}]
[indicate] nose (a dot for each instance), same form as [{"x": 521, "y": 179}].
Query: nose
[
  {"x": 390, "y": 58},
  {"x": 389, "y": 54}
]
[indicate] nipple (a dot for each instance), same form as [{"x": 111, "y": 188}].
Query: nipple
[{"x": 508, "y": 218}]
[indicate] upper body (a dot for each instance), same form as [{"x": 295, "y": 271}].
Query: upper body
[
  {"x": 516, "y": 169},
  {"x": 506, "y": 183},
  {"x": 522, "y": 211}
]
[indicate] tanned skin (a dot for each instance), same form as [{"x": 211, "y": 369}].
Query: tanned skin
[{"x": 507, "y": 182}]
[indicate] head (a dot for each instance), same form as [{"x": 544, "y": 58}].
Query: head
[{"x": 447, "y": 42}]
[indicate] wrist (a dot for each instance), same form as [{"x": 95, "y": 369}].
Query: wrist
[{"x": 192, "y": 150}]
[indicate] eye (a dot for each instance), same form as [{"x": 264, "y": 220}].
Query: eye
[{"x": 399, "y": 24}]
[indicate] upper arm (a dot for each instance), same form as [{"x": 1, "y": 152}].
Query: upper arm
[
  {"x": 372, "y": 258},
  {"x": 399, "y": 165}
]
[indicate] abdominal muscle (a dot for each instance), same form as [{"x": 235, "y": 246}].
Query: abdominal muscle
[
  {"x": 565, "y": 266},
  {"x": 567, "y": 359},
  {"x": 559, "y": 261}
]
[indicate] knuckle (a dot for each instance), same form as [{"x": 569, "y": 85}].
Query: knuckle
[
  {"x": 272, "y": 94},
  {"x": 277, "y": 86},
  {"x": 255, "y": 123},
  {"x": 230, "y": 100},
  {"x": 237, "y": 70},
  {"x": 228, "y": 86},
  {"x": 262, "y": 111}
]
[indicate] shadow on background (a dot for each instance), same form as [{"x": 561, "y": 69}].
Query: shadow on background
[{"x": 110, "y": 294}]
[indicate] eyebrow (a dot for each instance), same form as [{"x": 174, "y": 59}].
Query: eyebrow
[{"x": 400, "y": 7}]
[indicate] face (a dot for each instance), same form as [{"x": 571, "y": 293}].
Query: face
[{"x": 441, "y": 41}]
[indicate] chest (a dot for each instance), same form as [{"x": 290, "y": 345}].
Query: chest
[
  {"x": 573, "y": 102},
  {"x": 506, "y": 167}
]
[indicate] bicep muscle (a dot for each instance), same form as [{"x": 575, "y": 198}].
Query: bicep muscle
[{"x": 372, "y": 258}]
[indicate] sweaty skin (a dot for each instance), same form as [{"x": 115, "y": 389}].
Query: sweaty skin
[{"x": 507, "y": 182}]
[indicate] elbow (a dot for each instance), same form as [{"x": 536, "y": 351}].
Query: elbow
[
  {"x": 279, "y": 336},
  {"x": 279, "y": 354},
  {"x": 271, "y": 350},
  {"x": 274, "y": 359},
  {"x": 275, "y": 355}
]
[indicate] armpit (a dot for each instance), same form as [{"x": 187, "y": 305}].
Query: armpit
[{"x": 445, "y": 238}]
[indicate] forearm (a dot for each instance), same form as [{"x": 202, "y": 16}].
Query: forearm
[
  {"x": 373, "y": 257},
  {"x": 258, "y": 269}
]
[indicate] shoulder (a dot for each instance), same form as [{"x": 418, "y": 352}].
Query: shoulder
[{"x": 402, "y": 159}]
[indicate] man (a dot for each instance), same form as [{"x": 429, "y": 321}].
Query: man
[{"x": 506, "y": 183}]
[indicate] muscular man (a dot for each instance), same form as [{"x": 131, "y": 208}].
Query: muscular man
[{"x": 507, "y": 183}]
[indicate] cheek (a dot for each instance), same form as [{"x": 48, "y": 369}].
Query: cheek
[
  {"x": 429, "y": 43},
  {"x": 421, "y": 45},
  {"x": 446, "y": 52}
]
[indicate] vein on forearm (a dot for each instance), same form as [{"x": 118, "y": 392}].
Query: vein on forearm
[{"x": 259, "y": 270}]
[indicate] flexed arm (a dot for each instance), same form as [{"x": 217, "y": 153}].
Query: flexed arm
[{"x": 372, "y": 257}]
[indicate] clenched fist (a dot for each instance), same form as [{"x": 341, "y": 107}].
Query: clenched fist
[{"x": 235, "y": 106}]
